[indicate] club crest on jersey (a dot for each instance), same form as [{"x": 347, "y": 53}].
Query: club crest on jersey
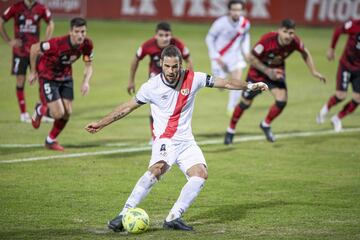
[{"x": 185, "y": 91}]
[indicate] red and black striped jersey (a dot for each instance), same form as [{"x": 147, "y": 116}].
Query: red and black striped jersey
[
  {"x": 269, "y": 51},
  {"x": 351, "y": 55},
  {"x": 26, "y": 24},
  {"x": 58, "y": 56}
]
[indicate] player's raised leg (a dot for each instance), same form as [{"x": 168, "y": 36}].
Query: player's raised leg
[
  {"x": 43, "y": 104},
  {"x": 333, "y": 100},
  {"x": 61, "y": 110},
  {"x": 347, "y": 109},
  {"x": 342, "y": 82},
  {"x": 46, "y": 93}
]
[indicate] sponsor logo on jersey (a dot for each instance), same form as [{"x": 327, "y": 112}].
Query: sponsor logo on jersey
[{"x": 163, "y": 150}]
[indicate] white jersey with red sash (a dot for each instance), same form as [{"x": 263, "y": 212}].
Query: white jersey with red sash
[
  {"x": 228, "y": 39},
  {"x": 172, "y": 106}
]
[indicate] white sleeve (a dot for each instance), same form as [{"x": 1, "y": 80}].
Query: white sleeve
[
  {"x": 143, "y": 95},
  {"x": 203, "y": 80},
  {"x": 211, "y": 38}
]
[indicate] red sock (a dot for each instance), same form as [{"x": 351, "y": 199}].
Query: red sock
[
  {"x": 274, "y": 111},
  {"x": 58, "y": 126},
  {"x": 238, "y": 111},
  {"x": 348, "y": 108},
  {"x": 333, "y": 100},
  {"x": 21, "y": 99},
  {"x": 44, "y": 110}
]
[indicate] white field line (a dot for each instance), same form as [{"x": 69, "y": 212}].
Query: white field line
[
  {"x": 42, "y": 145},
  {"x": 206, "y": 142}
]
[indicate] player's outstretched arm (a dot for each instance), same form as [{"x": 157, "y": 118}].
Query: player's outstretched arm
[
  {"x": 133, "y": 68},
  {"x": 49, "y": 30},
  {"x": 310, "y": 63},
  {"x": 189, "y": 64},
  {"x": 239, "y": 85},
  {"x": 118, "y": 113},
  {"x": 34, "y": 53},
  {"x": 335, "y": 37}
]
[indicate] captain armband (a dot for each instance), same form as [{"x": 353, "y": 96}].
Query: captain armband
[
  {"x": 44, "y": 46},
  {"x": 209, "y": 81}
]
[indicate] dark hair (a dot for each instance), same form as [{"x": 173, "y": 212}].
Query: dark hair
[
  {"x": 231, "y": 2},
  {"x": 288, "y": 23},
  {"x": 171, "y": 51},
  {"x": 163, "y": 26},
  {"x": 77, "y": 22}
]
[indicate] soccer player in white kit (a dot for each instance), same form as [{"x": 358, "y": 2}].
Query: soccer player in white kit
[
  {"x": 228, "y": 42},
  {"x": 171, "y": 95}
]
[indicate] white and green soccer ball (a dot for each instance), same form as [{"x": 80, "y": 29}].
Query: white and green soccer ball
[{"x": 136, "y": 220}]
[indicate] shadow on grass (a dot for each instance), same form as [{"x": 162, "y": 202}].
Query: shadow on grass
[
  {"x": 222, "y": 134},
  {"x": 234, "y": 212},
  {"x": 84, "y": 233}
]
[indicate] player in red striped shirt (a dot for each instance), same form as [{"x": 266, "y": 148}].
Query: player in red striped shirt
[
  {"x": 54, "y": 69},
  {"x": 267, "y": 61},
  {"x": 27, "y": 16},
  {"x": 153, "y": 48},
  {"x": 228, "y": 42},
  {"x": 348, "y": 73}
]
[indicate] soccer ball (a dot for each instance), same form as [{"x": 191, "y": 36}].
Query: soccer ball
[{"x": 136, "y": 220}]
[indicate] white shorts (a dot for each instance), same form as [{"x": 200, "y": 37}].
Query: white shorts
[
  {"x": 184, "y": 154},
  {"x": 218, "y": 71}
]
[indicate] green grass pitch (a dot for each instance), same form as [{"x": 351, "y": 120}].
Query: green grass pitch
[{"x": 296, "y": 188}]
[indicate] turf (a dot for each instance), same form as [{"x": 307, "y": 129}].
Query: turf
[{"x": 296, "y": 188}]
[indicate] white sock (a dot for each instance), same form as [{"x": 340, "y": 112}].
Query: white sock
[
  {"x": 140, "y": 191},
  {"x": 234, "y": 99},
  {"x": 188, "y": 194},
  {"x": 50, "y": 140},
  {"x": 264, "y": 124},
  {"x": 324, "y": 110},
  {"x": 230, "y": 130},
  {"x": 38, "y": 110}
]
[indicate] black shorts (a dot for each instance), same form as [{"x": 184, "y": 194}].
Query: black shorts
[
  {"x": 54, "y": 90},
  {"x": 249, "y": 95},
  {"x": 345, "y": 77},
  {"x": 20, "y": 65}
]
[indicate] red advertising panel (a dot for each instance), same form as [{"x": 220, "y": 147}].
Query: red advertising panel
[{"x": 305, "y": 12}]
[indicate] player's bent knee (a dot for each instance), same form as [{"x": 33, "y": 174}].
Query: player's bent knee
[
  {"x": 57, "y": 115},
  {"x": 198, "y": 170},
  {"x": 66, "y": 116},
  {"x": 356, "y": 97},
  {"x": 340, "y": 95},
  {"x": 203, "y": 174},
  {"x": 244, "y": 105},
  {"x": 281, "y": 104},
  {"x": 158, "y": 169}
]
